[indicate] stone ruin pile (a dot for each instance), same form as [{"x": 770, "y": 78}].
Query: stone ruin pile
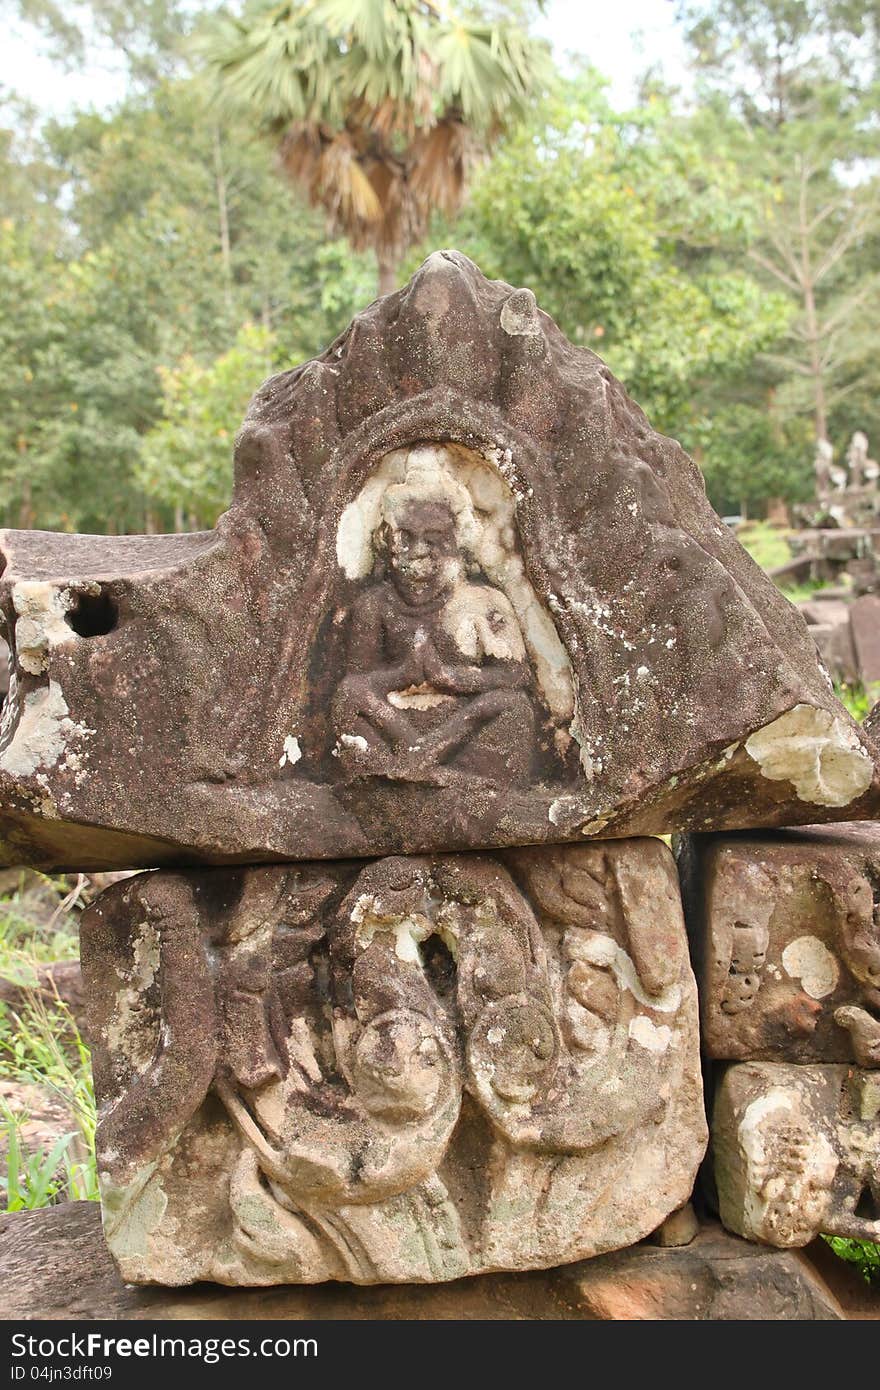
[
  {"x": 838, "y": 547},
  {"x": 409, "y": 993}
]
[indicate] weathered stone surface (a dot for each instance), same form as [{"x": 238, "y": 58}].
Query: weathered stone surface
[
  {"x": 785, "y": 936},
  {"x": 797, "y": 1151},
  {"x": 56, "y": 1265},
  {"x": 464, "y": 596},
  {"x": 405, "y": 1071},
  {"x": 679, "y": 1228},
  {"x": 865, "y": 623}
]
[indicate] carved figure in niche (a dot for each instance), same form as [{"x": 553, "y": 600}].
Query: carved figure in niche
[
  {"x": 437, "y": 669},
  {"x": 359, "y": 1073}
]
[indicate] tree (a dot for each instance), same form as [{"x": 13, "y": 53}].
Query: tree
[
  {"x": 618, "y": 224},
  {"x": 380, "y": 107},
  {"x": 147, "y": 34},
  {"x": 800, "y": 77},
  {"x": 130, "y": 241},
  {"x": 186, "y": 459}
]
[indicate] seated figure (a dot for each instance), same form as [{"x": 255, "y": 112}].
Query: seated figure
[{"x": 437, "y": 676}]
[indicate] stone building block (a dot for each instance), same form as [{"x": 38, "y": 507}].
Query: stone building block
[
  {"x": 465, "y": 596},
  {"x": 785, "y": 937},
  {"x": 797, "y": 1152},
  {"x": 404, "y": 1071}
]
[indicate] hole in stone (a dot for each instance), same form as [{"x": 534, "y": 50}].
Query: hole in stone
[
  {"x": 439, "y": 964},
  {"x": 93, "y": 615},
  {"x": 866, "y": 1207}
]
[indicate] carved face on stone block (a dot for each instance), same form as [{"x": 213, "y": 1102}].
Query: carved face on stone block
[
  {"x": 786, "y": 933},
  {"x": 423, "y": 552},
  {"x": 797, "y": 1152},
  {"x": 408, "y": 1070},
  {"x": 464, "y": 596}
]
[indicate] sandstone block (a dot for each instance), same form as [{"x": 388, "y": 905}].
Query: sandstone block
[
  {"x": 465, "y": 596},
  {"x": 785, "y": 934},
  {"x": 797, "y": 1152},
  {"x": 405, "y": 1071}
]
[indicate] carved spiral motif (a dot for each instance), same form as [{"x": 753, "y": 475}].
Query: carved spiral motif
[{"x": 513, "y": 1048}]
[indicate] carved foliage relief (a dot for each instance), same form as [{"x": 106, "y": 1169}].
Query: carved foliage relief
[{"x": 412, "y": 1070}]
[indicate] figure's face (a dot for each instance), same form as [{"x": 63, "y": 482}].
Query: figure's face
[{"x": 423, "y": 551}]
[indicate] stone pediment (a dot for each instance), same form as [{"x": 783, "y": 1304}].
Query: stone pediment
[{"x": 465, "y": 596}]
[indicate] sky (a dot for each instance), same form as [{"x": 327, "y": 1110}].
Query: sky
[{"x": 620, "y": 38}]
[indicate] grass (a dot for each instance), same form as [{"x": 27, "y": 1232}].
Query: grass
[
  {"x": 40, "y": 1045},
  {"x": 768, "y": 545},
  {"x": 861, "y": 1253},
  {"x": 857, "y": 699}
]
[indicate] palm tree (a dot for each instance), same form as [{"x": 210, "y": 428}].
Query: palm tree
[{"x": 380, "y": 107}]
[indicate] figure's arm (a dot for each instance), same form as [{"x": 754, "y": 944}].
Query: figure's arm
[
  {"x": 366, "y": 654},
  {"x": 500, "y": 662}
]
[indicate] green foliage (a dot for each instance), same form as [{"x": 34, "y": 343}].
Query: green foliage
[
  {"x": 864, "y": 1254},
  {"x": 178, "y": 233},
  {"x": 730, "y": 438},
  {"x": 320, "y": 62},
  {"x": 186, "y": 459},
  {"x": 857, "y": 699},
  {"x": 137, "y": 245},
  {"x": 615, "y": 221},
  {"x": 41, "y": 1046},
  {"x": 379, "y": 105},
  {"x": 38, "y": 1179},
  {"x": 767, "y": 545}
]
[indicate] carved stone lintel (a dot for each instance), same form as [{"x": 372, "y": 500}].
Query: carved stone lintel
[
  {"x": 408, "y": 1070},
  {"x": 464, "y": 597}
]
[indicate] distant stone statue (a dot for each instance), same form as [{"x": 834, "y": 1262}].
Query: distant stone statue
[{"x": 863, "y": 471}]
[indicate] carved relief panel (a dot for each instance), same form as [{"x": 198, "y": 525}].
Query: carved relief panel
[
  {"x": 464, "y": 597},
  {"x": 410, "y": 1070},
  {"x": 785, "y": 931},
  {"x": 797, "y": 1152}
]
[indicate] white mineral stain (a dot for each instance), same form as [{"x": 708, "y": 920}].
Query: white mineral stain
[
  {"x": 808, "y": 959},
  {"x": 816, "y": 752},
  {"x": 40, "y": 624},
  {"x": 291, "y": 751},
  {"x": 520, "y": 320},
  {"x": 354, "y": 741},
  {"x": 42, "y": 733},
  {"x": 643, "y": 1031},
  {"x": 751, "y": 1137},
  {"x": 601, "y": 950}
]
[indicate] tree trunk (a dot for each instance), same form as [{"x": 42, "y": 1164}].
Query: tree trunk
[
  {"x": 25, "y": 507},
  {"x": 388, "y": 273},
  {"x": 223, "y": 217},
  {"x": 817, "y": 374}
]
